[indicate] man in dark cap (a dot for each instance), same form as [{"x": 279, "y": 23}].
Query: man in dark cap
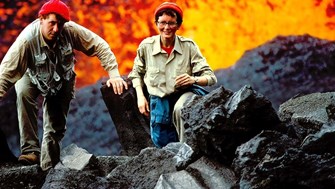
[
  {"x": 41, "y": 62},
  {"x": 172, "y": 68}
]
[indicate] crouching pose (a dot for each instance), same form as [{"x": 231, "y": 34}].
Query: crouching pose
[{"x": 172, "y": 68}]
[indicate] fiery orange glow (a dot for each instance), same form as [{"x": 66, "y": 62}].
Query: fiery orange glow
[{"x": 224, "y": 30}]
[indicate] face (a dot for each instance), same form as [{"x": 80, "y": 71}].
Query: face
[
  {"x": 167, "y": 26},
  {"x": 51, "y": 26}
]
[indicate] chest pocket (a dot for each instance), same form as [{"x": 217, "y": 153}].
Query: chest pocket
[
  {"x": 153, "y": 76},
  {"x": 40, "y": 74},
  {"x": 42, "y": 69},
  {"x": 67, "y": 61}
]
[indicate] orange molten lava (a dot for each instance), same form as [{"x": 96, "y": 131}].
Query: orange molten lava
[{"x": 224, "y": 30}]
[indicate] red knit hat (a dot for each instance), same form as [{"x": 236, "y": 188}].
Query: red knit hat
[
  {"x": 56, "y": 6},
  {"x": 169, "y": 5}
]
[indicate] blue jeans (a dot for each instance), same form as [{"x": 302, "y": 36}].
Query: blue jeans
[
  {"x": 161, "y": 128},
  {"x": 162, "y": 134}
]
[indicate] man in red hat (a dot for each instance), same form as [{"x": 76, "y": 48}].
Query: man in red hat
[
  {"x": 173, "y": 69},
  {"x": 41, "y": 62}
]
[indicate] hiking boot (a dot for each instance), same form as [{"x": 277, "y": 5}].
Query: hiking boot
[{"x": 29, "y": 158}]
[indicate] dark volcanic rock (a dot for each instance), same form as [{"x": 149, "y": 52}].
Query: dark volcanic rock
[
  {"x": 302, "y": 157},
  {"x": 296, "y": 110},
  {"x": 144, "y": 169},
  {"x": 234, "y": 138},
  {"x": 132, "y": 127},
  {"x": 308, "y": 113},
  {"x": 275, "y": 160},
  {"x": 14, "y": 175},
  {"x": 204, "y": 173},
  {"x": 89, "y": 123},
  {"x": 284, "y": 67},
  {"x": 6, "y": 154},
  {"x": 9, "y": 123},
  {"x": 219, "y": 122}
]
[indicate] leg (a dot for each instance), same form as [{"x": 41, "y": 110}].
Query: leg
[
  {"x": 162, "y": 134},
  {"x": 55, "y": 109},
  {"x": 27, "y": 110},
  {"x": 176, "y": 117},
  {"x": 162, "y": 131}
]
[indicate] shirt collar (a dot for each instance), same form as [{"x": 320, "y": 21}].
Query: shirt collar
[{"x": 157, "y": 45}]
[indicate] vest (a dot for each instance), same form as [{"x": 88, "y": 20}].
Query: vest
[{"x": 49, "y": 68}]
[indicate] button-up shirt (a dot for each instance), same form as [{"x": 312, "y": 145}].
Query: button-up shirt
[
  {"x": 29, "y": 47},
  {"x": 158, "y": 71}
]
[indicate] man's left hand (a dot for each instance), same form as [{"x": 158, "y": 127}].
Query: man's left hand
[{"x": 117, "y": 83}]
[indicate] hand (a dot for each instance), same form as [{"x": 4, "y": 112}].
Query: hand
[
  {"x": 143, "y": 105},
  {"x": 184, "y": 80},
  {"x": 118, "y": 83}
]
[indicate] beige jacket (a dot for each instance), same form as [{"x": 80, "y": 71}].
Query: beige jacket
[
  {"x": 29, "y": 54},
  {"x": 154, "y": 68}
]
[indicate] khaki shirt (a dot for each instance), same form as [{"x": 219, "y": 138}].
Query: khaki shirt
[
  {"x": 22, "y": 55},
  {"x": 158, "y": 71}
]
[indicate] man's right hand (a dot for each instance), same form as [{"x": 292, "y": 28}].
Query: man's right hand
[{"x": 118, "y": 84}]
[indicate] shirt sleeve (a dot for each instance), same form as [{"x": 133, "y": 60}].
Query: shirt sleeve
[
  {"x": 91, "y": 44},
  {"x": 200, "y": 67},
  {"x": 13, "y": 65},
  {"x": 138, "y": 71}
]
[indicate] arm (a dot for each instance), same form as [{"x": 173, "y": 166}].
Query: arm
[
  {"x": 142, "y": 102},
  {"x": 136, "y": 75},
  {"x": 200, "y": 68},
  {"x": 202, "y": 74},
  {"x": 185, "y": 79},
  {"x": 13, "y": 66},
  {"x": 91, "y": 44}
]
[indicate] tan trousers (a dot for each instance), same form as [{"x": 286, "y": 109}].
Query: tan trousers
[
  {"x": 55, "y": 109},
  {"x": 176, "y": 117}
]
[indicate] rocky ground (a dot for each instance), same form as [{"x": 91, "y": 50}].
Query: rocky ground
[{"x": 267, "y": 124}]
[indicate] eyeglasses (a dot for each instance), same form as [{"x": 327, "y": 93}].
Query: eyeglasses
[{"x": 163, "y": 24}]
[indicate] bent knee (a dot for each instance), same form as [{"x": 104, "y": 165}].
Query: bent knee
[{"x": 161, "y": 135}]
